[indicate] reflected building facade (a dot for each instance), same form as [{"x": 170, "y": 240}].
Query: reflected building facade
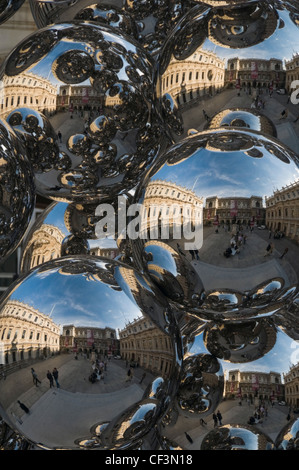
[
  {"x": 282, "y": 211},
  {"x": 171, "y": 204},
  {"x": 234, "y": 210},
  {"x": 261, "y": 73},
  {"x": 44, "y": 246},
  {"x": 200, "y": 74},
  {"x": 25, "y": 333},
  {"x": 27, "y": 90},
  {"x": 292, "y": 71},
  {"x": 250, "y": 384},
  {"x": 291, "y": 379},
  {"x": 84, "y": 339},
  {"x": 142, "y": 342}
]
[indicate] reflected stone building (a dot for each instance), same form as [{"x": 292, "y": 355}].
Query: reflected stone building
[
  {"x": 44, "y": 246},
  {"x": 85, "y": 339},
  {"x": 291, "y": 379},
  {"x": 142, "y": 342},
  {"x": 250, "y": 384},
  {"x": 171, "y": 204},
  {"x": 255, "y": 72},
  {"x": 292, "y": 71},
  {"x": 282, "y": 211},
  {"x": 27, "y": 90},
  {"x": 234, "y": 210},
  {"x": 26, "y": 333},
  {"x": 200, "y": 74}
]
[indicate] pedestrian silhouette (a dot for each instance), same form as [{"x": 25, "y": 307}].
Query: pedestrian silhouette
[
  {"x": 284, "y": 253},
  {"x": 188, "y": 437},
  {"x": 219, "y": 417},
  {"x": 34, "y": 376},
  {"x": 55, "y": 375},
  {"x": 24, "y": 407},
  {"x": 51, "y": 379}
]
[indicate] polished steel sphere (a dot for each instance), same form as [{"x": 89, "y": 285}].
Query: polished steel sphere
[
  {"x": 17, "y": 191},
  {"x": 149, "y": 22},
  {"x": 220, "y": 56},
  {"x": 202, "y": 236},
  {"x": 64, "y": 229},
  {"x": 8, "y": 8},
  {"x": 99, "y": 130},
  {"x": 77, "y": 315},
  {"x": 237, "y": 437},
  {"x": 288, "y": 437}
]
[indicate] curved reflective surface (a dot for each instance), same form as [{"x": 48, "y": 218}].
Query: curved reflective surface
[
  {"x": 148, "y": 22},
  {"x": 236, "y": 437},
  {"x": 220, "y": 57},
  {"x": 205, "y": 208},
  {"x": 8, "y": 8},
  {"x": 65, "y": 229},
  {"x": 248, "y": 386},
  {"x": 78, "y": 316},
  {"x": 288, "y": 437},
  {"x": 17, "y": 191},
  {"x": 99, "y": 129}
]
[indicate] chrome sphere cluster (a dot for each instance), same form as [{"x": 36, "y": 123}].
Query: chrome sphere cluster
[{"x": 185, "y": 306}]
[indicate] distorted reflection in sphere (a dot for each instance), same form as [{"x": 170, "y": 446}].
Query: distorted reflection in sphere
[
  {"x": 17, "y": 191},
  {"x": 201, "y": 387},
  {"x": 245, "y": 118},
  {"x": 8, "y": 8},
  {"x": 100, "y": 128},
  {"x": 237, "y": 437},
  {"x": 203, "y": 203},
  {"x": 39, "y": 138},
  {"x": 148, "y": 22},
  {"x": 257, "y": 369},
  {"x": 288, "y": 438},
  {"x": 221, "y": 57},
  {"x": 240, "y": 342},
  {"x": 64, "y": 229},
  {"x": 85, "y": 308}
]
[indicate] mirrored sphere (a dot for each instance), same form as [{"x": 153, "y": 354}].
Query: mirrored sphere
[
  {"x": 204, "y": 209},
  {"x": 230, "y": 54},
  {"x": 236, "y": 437},
  {"x": 17, "y": 191},
  {"x": 77, "y": 316},
  {"x": 288, "y": 437},
  {"x": 149, "y": 22},
  {"x": 99, "y": 130},
  {"x": 64, "y": 229},
  {"x": 259, "y": 362},
  {"x": 8, "y": 8},
  {"x": 201, "y": 386}
]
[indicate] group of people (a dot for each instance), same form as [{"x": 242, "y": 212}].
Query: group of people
[
  {"x": 217, "y": 417},
  {"x": 235, "y": 244},
  {"x": 260, "y": 413},
  {"x": 53, "y": 377},
  {"x": 99, "y": 368}
]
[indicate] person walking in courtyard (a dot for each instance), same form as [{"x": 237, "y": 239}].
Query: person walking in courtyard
[
  {"x": 284, "y": 253},
  {"x": 189, "y": 438},
  {"x": 35, "y": 378},
  {"x": 215, "y": 420},
  {"x": 51, "y": 380},
  {"x": 24, "y": 407},
  {"x": 219, "y": 417},
  {"x": 55, "y": 375}
]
